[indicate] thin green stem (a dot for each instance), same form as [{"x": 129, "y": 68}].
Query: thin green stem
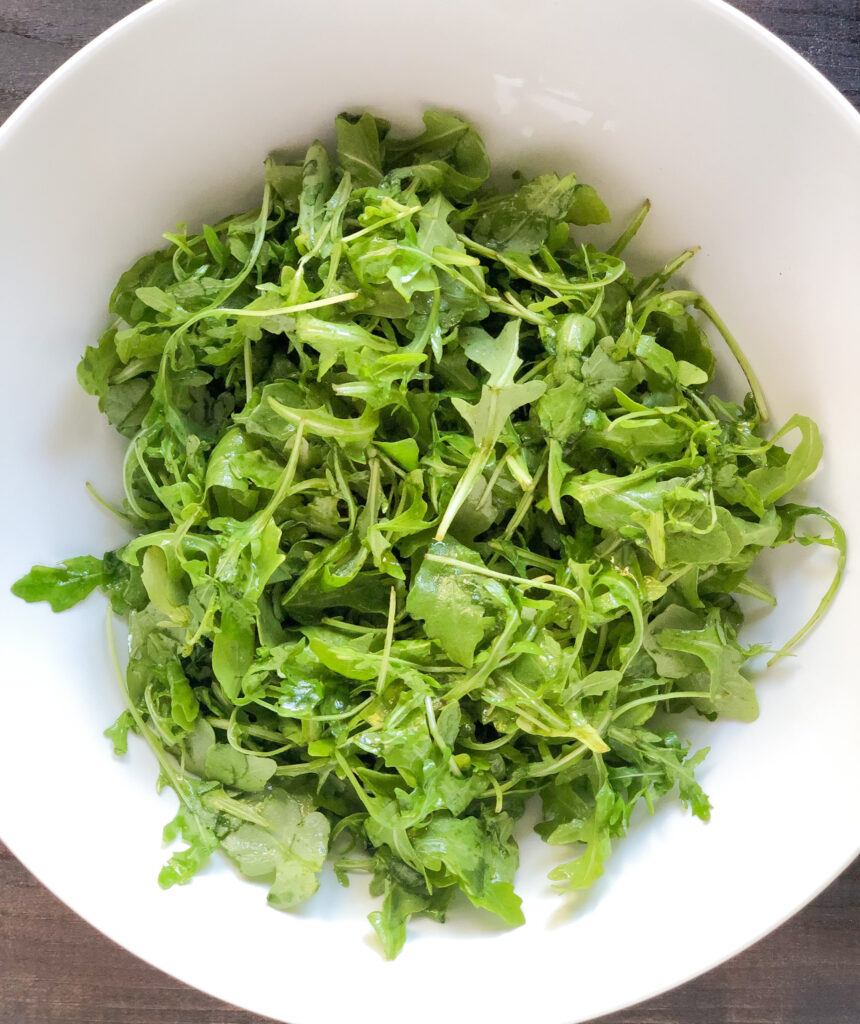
[
  {"x": 464, "y": 488},
  {"x": 662, "y": 276},
  {"x": 389, "y": 638},
  {"x": 114, "y": 509},
  {"x": 688, "y": 298},
  {"x": 520, "y": 581},
  {"x": 296, "y": 307},
  {"x": 629, "y": 233},
  {"x": 838, "y": 541},
  {"x": 249, "y": 376},
  {"x": 656, "y": 698}
]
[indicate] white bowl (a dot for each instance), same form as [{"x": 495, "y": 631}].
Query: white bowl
[{"x": 742, "y": 148}]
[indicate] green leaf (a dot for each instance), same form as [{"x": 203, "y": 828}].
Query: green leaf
[
  {"x": 163, "y": 584},
  {"x": 633, "y": 506},
  {"x": 498, "y": 356},
  {"x": 586, "y": 207},
  {"x": 774, "y": 481},
  {"x": 488, "y": 416},
  {"x": 480, "y": 855},
  {"x": 448, "y": 155},
  {"x": 405, "y": 452},
  {"x": 690, "y": 375},
  {"x": 61, "y": 587},
  {"x": 118, "y": 733},
  {"x": 316, "y": 191},
  {"x": 346, "y": 432},
  {"x": 657, "y": 358},
  {"x": 522, "y": 220},
  {"x": 390, "y": 922},
  {"x": 605, "y": 373},
  {"x": 712, "y": 645},
  {"x": 99, "y": 364},
  {"x": 286, "y": 180},
  {"x": 500, "y": 396},
  {"x": 358, "y": 148},
  {"x": 561, "y": 409},
  {"x": 240, "y": 771},
  {"x": 434, "y": 231},
  {"x": 126, "y": 404},
  {"x": 288, "y": 851},
  {"x": 157, "y": 299},
  {"x": 595, "y": 832},
  {"x": 457, "y": 607},
  {"x": 195, "y": 824},
  {"x": 233, "y": 647}
]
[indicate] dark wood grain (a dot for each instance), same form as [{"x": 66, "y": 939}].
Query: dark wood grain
[
  {"x": 56, "y": 969},
  {"x": 826, "y": 32}
]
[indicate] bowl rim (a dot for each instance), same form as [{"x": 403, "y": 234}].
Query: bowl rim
[
  {"x": 744, "y": 24},
  {"x": 718, "y": 8}
]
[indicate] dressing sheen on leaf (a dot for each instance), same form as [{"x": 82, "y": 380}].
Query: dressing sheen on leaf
[{"x": 435, "y": 512}]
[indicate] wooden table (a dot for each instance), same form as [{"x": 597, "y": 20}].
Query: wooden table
[{"x": 56, "y": 968}]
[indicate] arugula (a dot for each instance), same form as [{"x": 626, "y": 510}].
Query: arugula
[{"x": 435, "y": 512}]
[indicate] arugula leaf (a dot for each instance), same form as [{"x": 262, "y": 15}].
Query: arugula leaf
[
  {"x": 358, "y": 151},
  {"x": 238, "y": 770},
  {"x": 487, "y": 418},
  {"x": 457, "y": 607},
  {"x": 448, "y": 155},
  {"x": 586, "y": 207},
  {"x": 288, "y": 848},
  {"x": 98, "y": 365},
  {"x": 389, "y": 923},
  {"x": 522, "y": 220},
  {"x": 233, "y": 646},
  {"x": 729, "y": 691},
  {"x": 61, "y": 587},
  {"x": 196, "y": 825},
  {"x": 776, "y": 480},
  {"x": 595, "y": 832},
  {"x": 118, "y": 733},
  {"x": 480, "y": 855},
  {"x": 561, "y": 409},
  {"x": 316, "y": 190}
]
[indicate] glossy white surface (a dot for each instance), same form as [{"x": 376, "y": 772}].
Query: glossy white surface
[{"x": 742, "y": 149}]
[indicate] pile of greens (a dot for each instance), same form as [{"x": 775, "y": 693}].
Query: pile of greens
[{"x": 434, "y": 514}]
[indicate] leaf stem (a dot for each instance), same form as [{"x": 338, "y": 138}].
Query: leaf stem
[
  {"x": 296, "y": 307},
  {"x": 838, "y": 541},
  {"x": 628, "y": 234},
  {"x": 520, "y": 581},
  {"x": 688, "y": 298},
  {"x": 389, "y": 638},
  {"x": 464, "y": 488},
  {"x": 656, "y": 698}
]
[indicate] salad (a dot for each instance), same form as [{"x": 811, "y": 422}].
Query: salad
[{"x": 433, "y": 512}]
